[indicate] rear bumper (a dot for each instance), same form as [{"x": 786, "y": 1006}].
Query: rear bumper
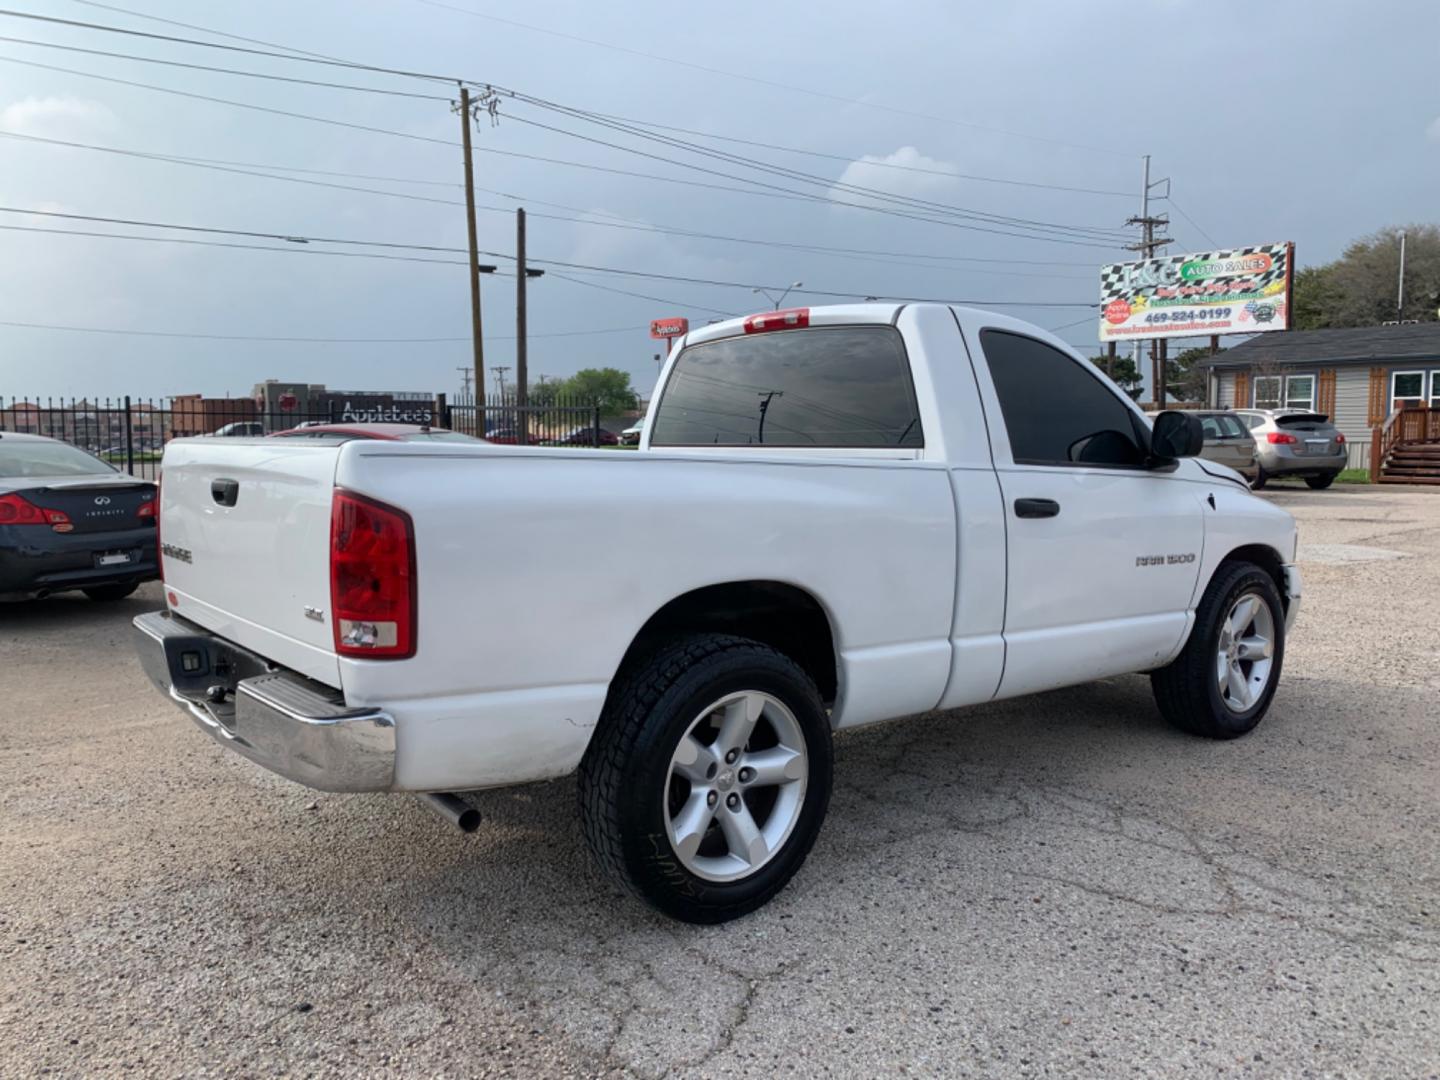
[
  {"x": 35, "y": 562},
  {"x": 297, "y": 728},
  {"x": 1278, "y": 464}
]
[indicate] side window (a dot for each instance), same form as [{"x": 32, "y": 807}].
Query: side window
[
  {"x": 843, "y": 386},
  {"x": 1254, "y": 421},
  {"x": 1056, "y": 411},
  {"x": 1213, "y": 427},
  {"x": 1230, "y": 427}
]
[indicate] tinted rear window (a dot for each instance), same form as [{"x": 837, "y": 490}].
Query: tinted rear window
[
  {"x": 20, "y": 459},
  {"x": 1292, "y": 419},
  {"x": 846, "y": 386}
]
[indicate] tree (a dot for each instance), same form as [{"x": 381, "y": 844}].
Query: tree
[
  {"x": 1184, "y": 379},
  {"x": 609, "y": 387},
  {"x": 1124, "y": 375},
  {"x": 1359, "y": 288}
]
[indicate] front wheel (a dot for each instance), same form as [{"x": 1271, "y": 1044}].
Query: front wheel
[
  {"x": 707, "y": 779},
  {"x": 1320, "y": 483},
  {"x": 1221, "y": 684}
]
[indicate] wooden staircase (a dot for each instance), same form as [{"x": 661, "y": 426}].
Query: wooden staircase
[{"x": 1407, "y": 449}]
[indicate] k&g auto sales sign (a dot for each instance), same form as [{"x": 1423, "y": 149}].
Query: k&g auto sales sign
[{"x": 1239, "y": 291}]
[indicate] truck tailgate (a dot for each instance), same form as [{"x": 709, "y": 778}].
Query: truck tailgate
[{"x": 245, "y": 534}]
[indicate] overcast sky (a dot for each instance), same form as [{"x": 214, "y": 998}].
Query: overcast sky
[{"x": 1313, "y": 120}]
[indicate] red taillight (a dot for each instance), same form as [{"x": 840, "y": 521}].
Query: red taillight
[
  {"x": 1280, "y": 437},
  {"x": 15, "y": 509},
  {"x": 789, "y": 319},
  {"x": 372, "y": 578},
  {"x": 1340, "y": 438}
]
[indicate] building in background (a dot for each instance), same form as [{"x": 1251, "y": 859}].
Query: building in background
[
  {"x": 1358, "y": 377},
  {"x": 192, "y": 414}
]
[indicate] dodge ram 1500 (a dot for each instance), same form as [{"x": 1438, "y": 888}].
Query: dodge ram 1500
[{"x": 836, "y": 516}]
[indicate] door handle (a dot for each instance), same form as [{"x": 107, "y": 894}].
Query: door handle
[
  {"x": 225, "y": 492},
  {"x": 1036, "y": 508}
]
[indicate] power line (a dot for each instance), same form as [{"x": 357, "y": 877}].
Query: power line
[
  {"x": 295, "y": 244},
  {"x": 306, "y": 58},
  {"x": 650, "y": 124},
  {"x": 221, "y": 70},
  {"x": 226, "y": 101},
  {"x": 231, "y": 244},
  {"x": 820, "y": 198},
  {"x": 250, "y": 169},
  {"x": 851, "y": 159},
  {"x": 307, "y": 340},
  {"x": 202, "y": 29},
  {"x": 772, "y": 83},
  {"x": 795, "y": 174},
  {"x": 1176, "y": 207}
]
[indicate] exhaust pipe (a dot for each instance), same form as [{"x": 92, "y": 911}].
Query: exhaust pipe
[{"x": 453, "y": 809}]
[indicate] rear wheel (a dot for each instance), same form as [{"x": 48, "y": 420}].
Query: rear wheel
[
  {"x": 1221, "y": 684},
  {"x": 1319, "y": 483},
  {"x": 107, "y": 594},
  {"x": 708, "y": 777},
  {"x": 1260, "y": 478}
]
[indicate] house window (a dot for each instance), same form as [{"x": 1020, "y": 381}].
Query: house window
[
  {"x": 1407, "y": 388},
  {"x": 1300, "y": 392},
  {"x": 1267, "y": 391},
  {"x": 1285, "y": 392}
]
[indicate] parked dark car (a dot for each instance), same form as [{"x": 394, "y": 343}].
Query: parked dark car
[
  {"x": 69, "y": 521},
  {"x": 585, "y": 436},
  {"x": 507, "y": 435},
  {"x": 1228, "y": 442}
]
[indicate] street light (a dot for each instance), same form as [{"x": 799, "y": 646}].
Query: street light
[{"x": 766, "y": 293}]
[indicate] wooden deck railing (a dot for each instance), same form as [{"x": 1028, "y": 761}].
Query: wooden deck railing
[{"x": 1412, "y": 424}]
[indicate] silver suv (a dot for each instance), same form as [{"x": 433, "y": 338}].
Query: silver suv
[{"x": 1295, "y": 443}]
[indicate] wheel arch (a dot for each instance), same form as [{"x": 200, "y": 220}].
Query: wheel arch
[
  {"x": 787, "y": 617},
  {"x": 1263, "y": 556}
]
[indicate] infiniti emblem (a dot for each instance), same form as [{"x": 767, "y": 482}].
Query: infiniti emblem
[{"x": 102, "y": 500}]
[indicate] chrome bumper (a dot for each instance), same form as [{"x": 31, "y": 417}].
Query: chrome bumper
[
  {"x": 1292, "y": 595},
  {"x": 276, "y": 718}
]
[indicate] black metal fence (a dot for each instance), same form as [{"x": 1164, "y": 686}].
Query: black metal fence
[{"x": 130, "y": 432}]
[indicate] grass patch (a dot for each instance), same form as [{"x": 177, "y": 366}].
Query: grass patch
[{"x": 1353, "y": 476}]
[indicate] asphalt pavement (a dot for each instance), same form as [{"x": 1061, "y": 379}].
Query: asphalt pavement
[{"x": 1054, "y": 886}]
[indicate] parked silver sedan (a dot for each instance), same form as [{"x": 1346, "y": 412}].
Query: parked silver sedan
[
  {"x": 1295, "y": 443},
  {"x": 1227, "y": 442}
]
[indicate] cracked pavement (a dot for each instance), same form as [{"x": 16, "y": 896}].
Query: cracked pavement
[{"x": 1053, "y": 886}]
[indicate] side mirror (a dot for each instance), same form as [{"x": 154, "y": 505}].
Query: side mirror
[{"x": 1176, "y": 435}]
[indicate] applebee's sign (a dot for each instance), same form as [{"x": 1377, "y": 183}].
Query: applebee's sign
[{"x": 416, "y": 413}]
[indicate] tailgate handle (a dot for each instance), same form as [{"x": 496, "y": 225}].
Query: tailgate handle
[
  {"x": 225, "y": 492},
  {"x": 1036, "y": 508}
]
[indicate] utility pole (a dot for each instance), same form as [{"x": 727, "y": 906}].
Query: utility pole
[
  {"x": 522, "y": 357},
  {"x": 1148, "y": 245},
  {"x": 477, "y": 336},
  {"x": 1400, "y": 296},
  {"x": 765, "y": 400},
  {"x": 465, "y": 375},
  {"x": 500, "y": 372}
]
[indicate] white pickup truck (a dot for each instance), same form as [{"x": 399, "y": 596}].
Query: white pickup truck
[{"x": 836, "y": 516}]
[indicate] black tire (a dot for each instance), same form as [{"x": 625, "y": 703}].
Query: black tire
[
  {"x": 1187, "y": 689},
  {"x": 108, "y": 594},
  {"x": 1320, "y": 483},
  {"x": 1260, "y": 478},
  {"x": 625, "y": 774}
]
